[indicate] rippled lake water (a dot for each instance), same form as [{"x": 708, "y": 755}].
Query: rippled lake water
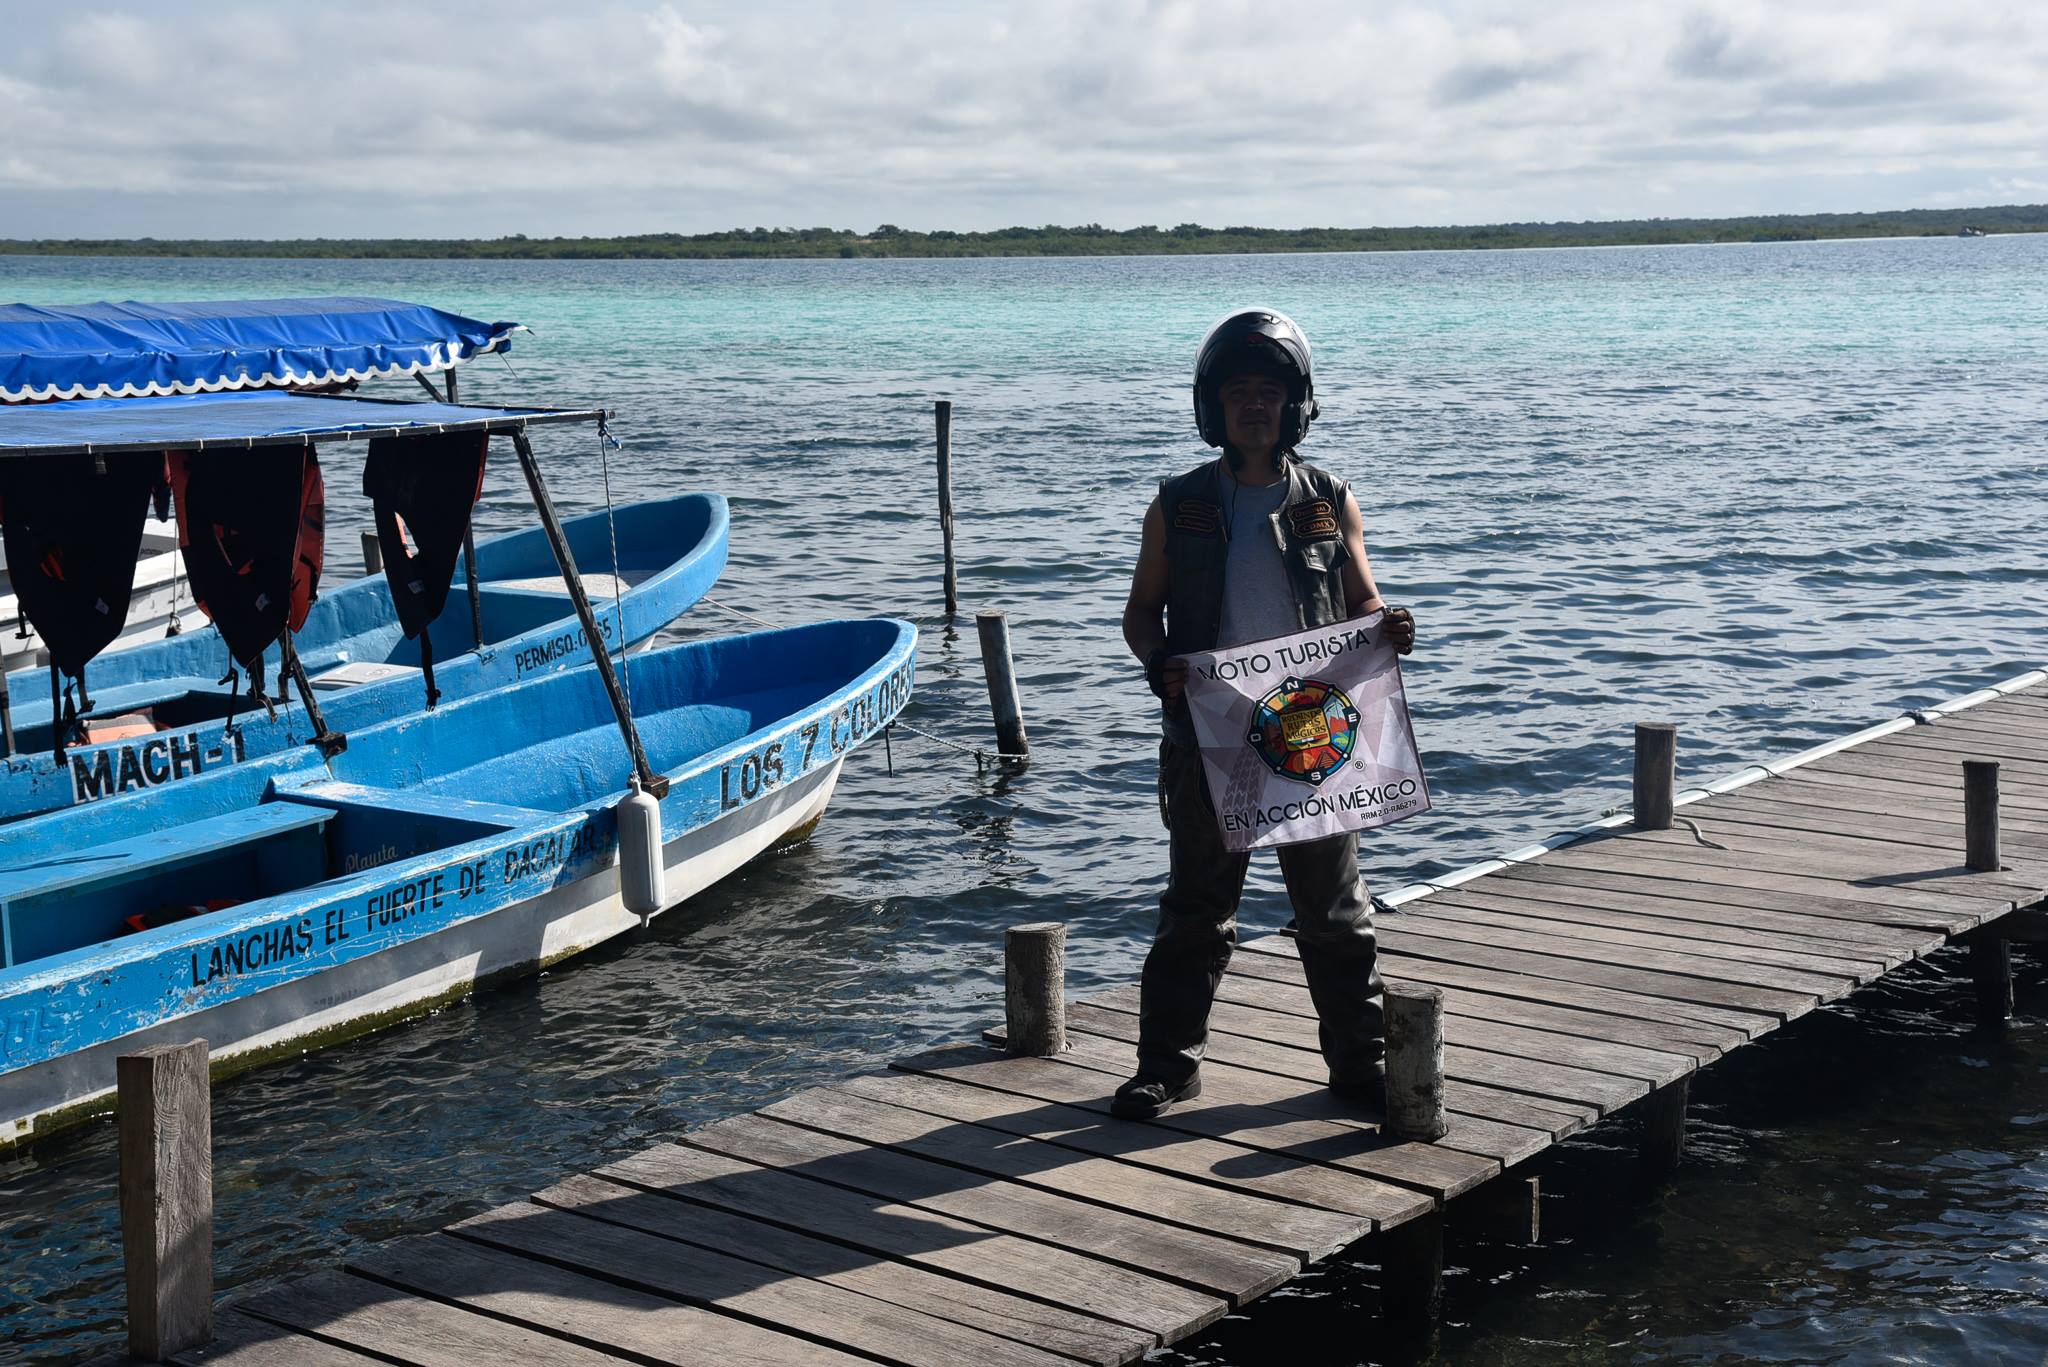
[{"x": 1770, "y": 493}]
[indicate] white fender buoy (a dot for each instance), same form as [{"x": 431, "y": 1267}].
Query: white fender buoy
[{"x": 642, "y": 878}]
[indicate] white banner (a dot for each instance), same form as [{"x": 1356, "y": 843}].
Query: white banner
[{"x": 1306, "y": 736}]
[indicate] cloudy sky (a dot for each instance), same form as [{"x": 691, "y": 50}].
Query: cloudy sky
[{"x": 545, "y": 117}]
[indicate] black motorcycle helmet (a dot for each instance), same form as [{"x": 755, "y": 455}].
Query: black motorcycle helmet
[{"x": 1255, "y": 341}]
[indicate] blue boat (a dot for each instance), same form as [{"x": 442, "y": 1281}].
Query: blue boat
[
  {"x": 114, "y": 407},
  {"x": 301, "y": 897},
  {"x": 171, "y": 706}
]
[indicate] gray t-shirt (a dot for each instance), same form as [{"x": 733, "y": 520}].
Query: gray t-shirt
[{"x": 1258, "y": 602}]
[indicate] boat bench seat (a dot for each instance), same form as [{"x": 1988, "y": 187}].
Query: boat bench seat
[
  {"x": 375, "y": 826},
  {"x": 73, "y": 898}
]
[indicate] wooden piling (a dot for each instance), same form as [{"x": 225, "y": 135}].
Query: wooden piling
[
  {"x": 1035, "y": 988},
  {"x": 1662, "y": 1146},
  {"x": 1990, "y": 956},
  {"x": 1412, "y": 1281},
  {"x": 373, "y": 554},
  {"x": 1980, "y": 815},
  {"x": 1656, "y": 774},
  {"x": 942, "y": 412},
  {"x": 1415, "y": 1061},
  {"x": 994, "y": 629},
  {"x": 166, "y": 1133}
]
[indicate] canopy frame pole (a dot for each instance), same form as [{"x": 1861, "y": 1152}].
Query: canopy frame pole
[
  {"x": 593, "y": 635},
  {"x": 476, "y": 602},
  {"x": 331, "y": 743},
  {"x": 6, "y": 717},
  {"x": 56, "y": 714}
]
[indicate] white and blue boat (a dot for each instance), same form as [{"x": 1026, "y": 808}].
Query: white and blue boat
[
  {"x": 301, "y": 896},
  {"x": 112, "y": 407},
  {"x": 172, "y": 707}
]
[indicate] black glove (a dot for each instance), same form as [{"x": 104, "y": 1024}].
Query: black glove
[{"x": 1155, "y": 672}]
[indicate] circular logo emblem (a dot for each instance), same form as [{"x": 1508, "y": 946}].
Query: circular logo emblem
[{"x": 1304, "y": 729}]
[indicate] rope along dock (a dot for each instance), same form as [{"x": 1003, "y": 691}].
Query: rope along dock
[{"x": 967, "y": 1205}]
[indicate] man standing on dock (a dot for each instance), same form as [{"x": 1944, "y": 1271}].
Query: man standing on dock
[{"x": 1252, "y": 545}]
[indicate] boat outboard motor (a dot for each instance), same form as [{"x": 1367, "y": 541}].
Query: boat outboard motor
[
  {"x": 425, "y": 486},
  {"x": 253, "y": 527},
  {"x": 73, "y": 529},
  {"x": 1254, "y": 341}
]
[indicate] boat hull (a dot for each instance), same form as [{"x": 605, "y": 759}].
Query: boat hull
[{"x": 412, "y": 977}]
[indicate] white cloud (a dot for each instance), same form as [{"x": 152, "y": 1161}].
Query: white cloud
[{"x": 387, "y": 118}]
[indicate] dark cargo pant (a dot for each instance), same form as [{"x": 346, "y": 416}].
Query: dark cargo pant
[{"x": 1198, "y": 930}]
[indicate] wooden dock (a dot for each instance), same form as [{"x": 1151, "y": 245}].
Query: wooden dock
[{"x": 968, "y": 1206}]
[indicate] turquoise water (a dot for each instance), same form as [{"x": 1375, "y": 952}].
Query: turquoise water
[{"x": 1769, "y": 493}]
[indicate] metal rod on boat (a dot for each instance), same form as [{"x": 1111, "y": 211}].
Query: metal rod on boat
[
  {"x": 6, "y": 717},
  {"x": 331, "y": 743},
  {"x": 565, "y": 559},
  {"x": 56, "y": 714},
  {"x": 476, "y": 602},
  {"x": 942, "y": 410}
]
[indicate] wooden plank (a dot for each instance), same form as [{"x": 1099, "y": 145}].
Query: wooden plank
[
  {"x": 1301, "y": 1119},
  {"x": 970, "y": 1253},
  {"x": 701, "y": 1276},
  {"x": 1939, "y": 773},
  {"x": 1936, "y": 908},
  {"x": 1173, "y": 1149},
  {"x": 1226, "y": 1267},
  {"x": 1530, "y": 954},
  {"x": 1864, "y": 962},
  {"x": 1733, "y": 901},
  {"x": 1007, "y": 1315},
  {"x": 1579, "y": 1024},
  {"x": 1712, "y": 1024},
  {"x": 241, "y": 1340},
  {"x": 1556, "y": 1118},
  {"x": 1301, "y": 1232},
  {"x": 1481, "y": 1032},
  {"x": 1767, "y": 814},
  {"x": 1932, "y": 799},
  {"x": 598, "y": 1314},
  {"x": 1603, "y": 1091},
  {"x": 1876, "y": 868},
  {"x": 1866, "y": 800},
  {"x": 1748, "y": 947},
  {"x": 1938, "y": 911},
  {"x": 400, "y": 1327}
]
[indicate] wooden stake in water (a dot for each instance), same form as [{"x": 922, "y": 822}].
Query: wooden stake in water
[
  {"x": 166, "y": 1122},
  {"x": 373, "y": 554},
  {"x": 994, "y": 629},
  {"x": 942, "y": 410}
]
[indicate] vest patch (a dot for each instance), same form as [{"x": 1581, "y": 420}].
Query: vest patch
[
  {"x": 1314, "y": 519},
  {"x": 1197, "y": 515}
]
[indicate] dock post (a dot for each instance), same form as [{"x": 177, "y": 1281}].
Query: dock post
[
  {"x": 166, "y": 1141},
  {"x": 1990, "y": 955},
  {"x": 1656, "y": 774},
  {"x": 1415, "y": 1062},
  {"x": 994, "y": 629},
  {"x": 373, "y": 554},
  {"x": 1510, "y": 1208},
  {"x": 1662, "y": 1146},
  {"x": 942, "y": 412},
  {"x": 1035, "y": 988},
  {"x": 1412, "y": 1281}
]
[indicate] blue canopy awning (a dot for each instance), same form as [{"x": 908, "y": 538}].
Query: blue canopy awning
[
  {"x": 199, "y": 422},
  {"x": 102, "y": 351}
]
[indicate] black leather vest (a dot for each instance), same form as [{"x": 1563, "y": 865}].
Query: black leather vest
[{"x": 1305, "y": 528}]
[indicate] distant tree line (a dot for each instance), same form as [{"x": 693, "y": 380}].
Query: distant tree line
[{"x": 1089, "y": 239}]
